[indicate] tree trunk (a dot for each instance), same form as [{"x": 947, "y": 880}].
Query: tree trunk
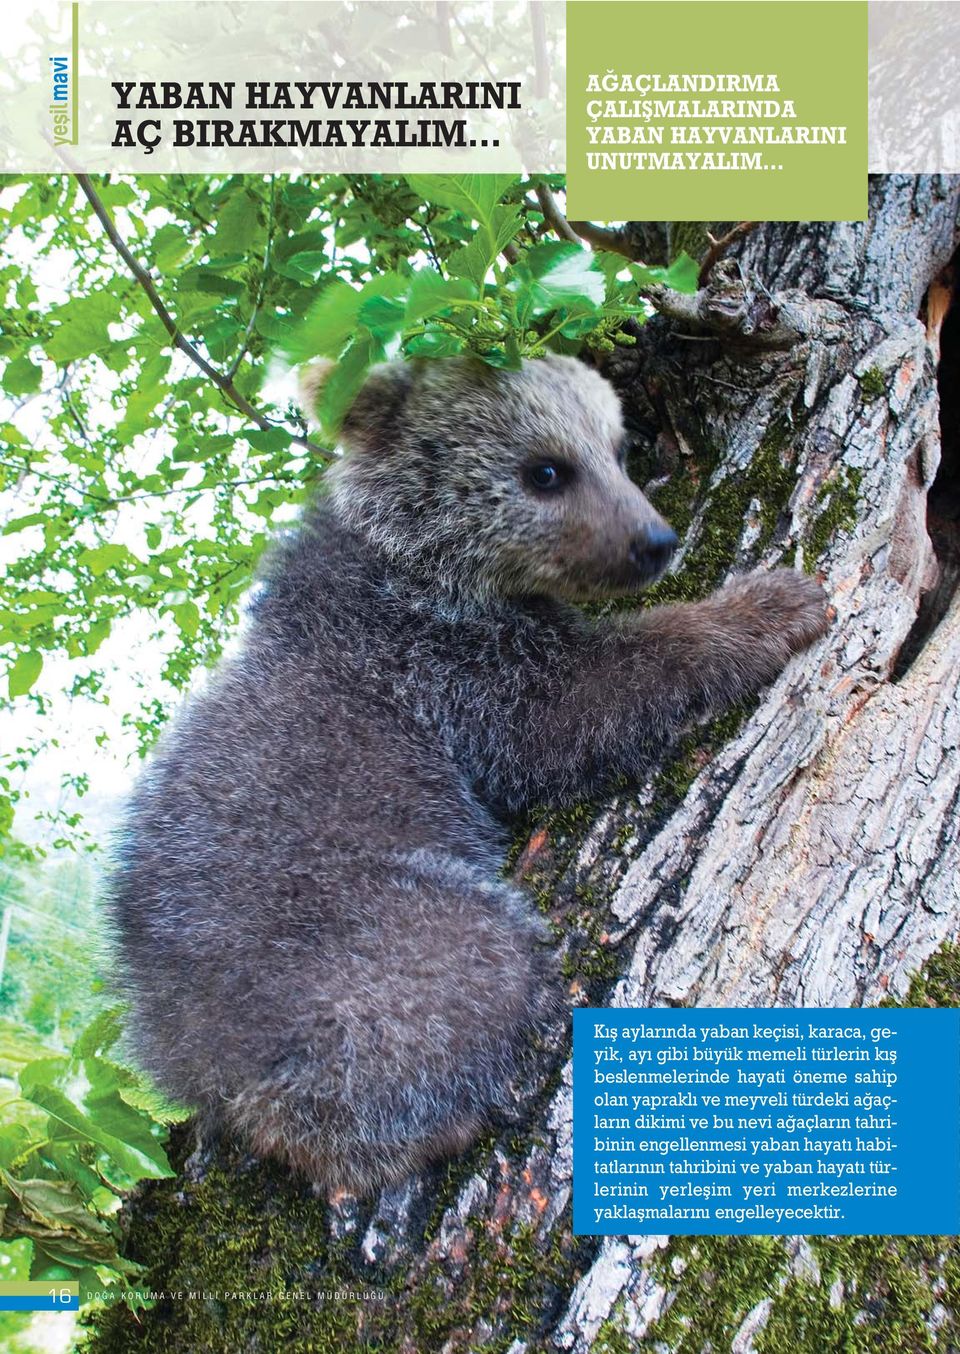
[{"x": 800, "y": 853}]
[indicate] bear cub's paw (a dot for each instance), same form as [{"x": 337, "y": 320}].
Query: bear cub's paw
[{"x": 788, "y": 604}]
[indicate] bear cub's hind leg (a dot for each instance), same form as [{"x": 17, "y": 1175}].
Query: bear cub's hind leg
[{"x": 418, "y": 1031}]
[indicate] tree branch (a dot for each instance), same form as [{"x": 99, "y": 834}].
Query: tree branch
[
  {"x": 552, "y": 214},
  {"x": 741, "y": 313},
  {"x": 465, "y": 34},
  {"x": 223, "y": 383},
  {"x": 600, "y": 237},
  {"x": 718, "y": 247},
  {"x": 431, "y": 246},
  {"x": 444, "y": 40},
  {"x": 606, "y": 237}
]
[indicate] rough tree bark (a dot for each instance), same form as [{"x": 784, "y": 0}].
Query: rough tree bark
[{"x": 802, "y": 852}]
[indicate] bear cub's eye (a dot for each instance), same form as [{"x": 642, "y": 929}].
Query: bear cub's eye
[{"x": 548, "y": 476}]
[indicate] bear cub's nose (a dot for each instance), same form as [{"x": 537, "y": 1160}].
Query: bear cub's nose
[{"x": 651, "y": 548}]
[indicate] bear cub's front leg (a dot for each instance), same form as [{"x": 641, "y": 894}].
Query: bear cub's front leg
[{"x": 742, "y": 636}]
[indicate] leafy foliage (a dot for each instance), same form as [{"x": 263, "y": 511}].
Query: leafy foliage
[
  {"x": 79, "y": 1130},
  {"x": 552, "y": 294}
]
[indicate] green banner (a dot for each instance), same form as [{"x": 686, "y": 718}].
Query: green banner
[
  {"x": 38, "y": 1288},
  {"x": 712, "y": 111}
]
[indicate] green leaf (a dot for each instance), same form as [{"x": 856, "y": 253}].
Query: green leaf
[
  {"x": 682, "y": 275},
  {"x": 382, "y": 315},
  {"x": 141, "y": 404},
  {"x": 221, "y": 335},
  {"x": 508, "y": 357},
  {"x": 238, "y": 225},
  {"x": 18, "y": 1045},
  {"x": 103, "y": 557},
  {"x": 328, "y": 323},
  {"x": 40, "y": 597},
  {"x": 431, "y": 294},
  {"x": 558, "y": 275},
  {"x": 24, "y": 673},
  {"x": 476, "y": 195},
  {"x": 56, "y": 1206},
  {"x": 143, "y": 1157},
  {"x": 82, "y": 326},
  {"x": 303, "y": 256},
  {"x": 150, "y": 1101},
  {"x": 94, "y": 636},
  {"x": 268, "y": 441},
  {"x": 564, "y": 269},
  {"x": 476, "y": 259},
  {"x": 187, "y": 617},
  {"x": 306, "y": 266},
  {"x": 22, "y": 377},
  {"x": 65, "y": 1159},
  {"x": 18, "y": 1139},
  {"x": 170, "y": 245},
  {"x": 382, "y": 305},
  {"x": 31, "y": 519},
  {"x": 202, "y": 279},
  {"x": 102, "y": 1033},
  {"x": 434, "y": 343},
  {"x": 109, "y": 1110},
  {"x": 343, "y": 384}
]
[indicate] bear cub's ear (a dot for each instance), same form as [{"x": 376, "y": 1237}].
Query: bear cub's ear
[{"x": 371, "y": 421}]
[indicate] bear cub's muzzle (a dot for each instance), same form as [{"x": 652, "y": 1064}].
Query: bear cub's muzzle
[{"x": 651, "y": 551}]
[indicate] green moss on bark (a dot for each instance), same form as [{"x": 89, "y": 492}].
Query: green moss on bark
[
  {"x": 694, "y": 751},
  {"x": 872, "y": 384},
  {"x": 837, "y": 502},
  {"x": 613, "y": 1336},
  {"x": 242, "y": 1229},
  {"x": 763, "y": 488},
  {"x": 937, "y": 983},
  {"x": 875, "y": 1293},
  {"x": 217, "y": 1246},
  {"x": 721, "y": 1278}
]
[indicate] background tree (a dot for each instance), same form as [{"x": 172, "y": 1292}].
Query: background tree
[{"x": 801, "y": 852}]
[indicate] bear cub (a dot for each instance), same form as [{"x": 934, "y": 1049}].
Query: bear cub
[{"x": 313, "y": 933}]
